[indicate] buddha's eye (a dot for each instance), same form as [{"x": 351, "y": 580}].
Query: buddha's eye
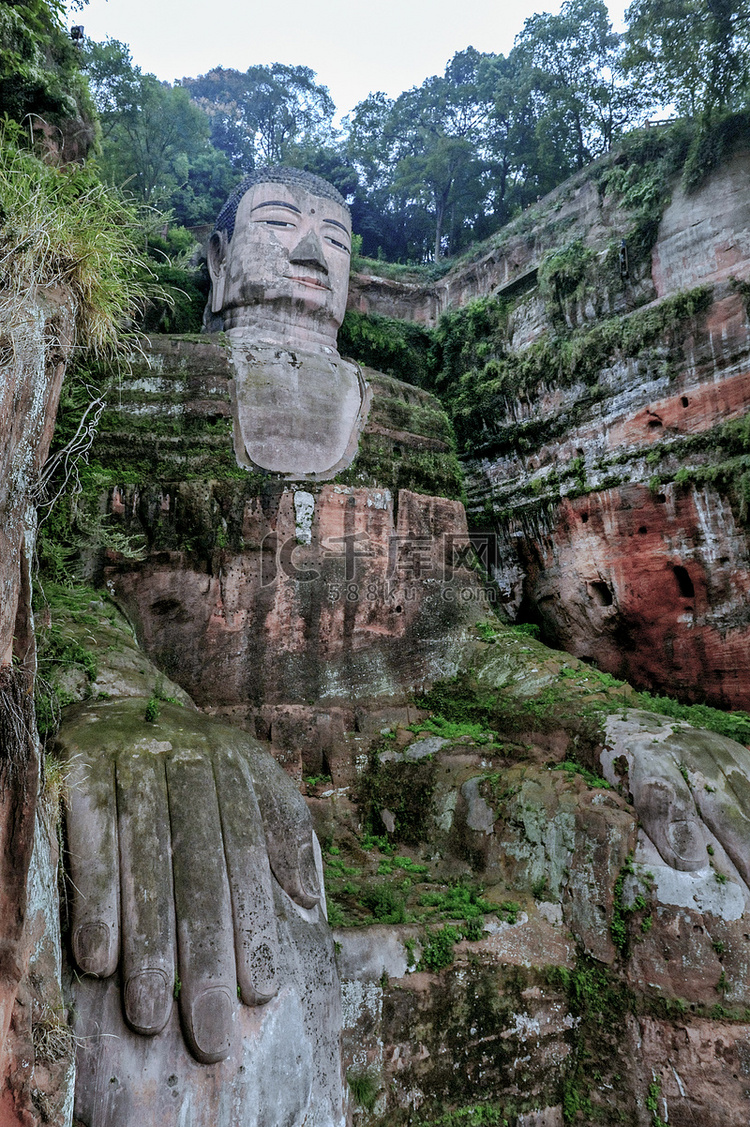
[
  {"x": 336, "y": 243},
  {"x": 276, "y": 223}
]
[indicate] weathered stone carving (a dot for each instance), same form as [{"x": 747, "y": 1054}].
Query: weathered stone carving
[
  {"x": 196, "y": 875},
  {"x": 691, "y": 792},
  {"x": 198, "y": 927},
  {"x": 279, "y": 264}
]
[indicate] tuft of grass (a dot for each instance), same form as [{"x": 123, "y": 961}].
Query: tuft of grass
[
  {"x": 363, "y": 1086},
  {"x": 63, "y": 227}
]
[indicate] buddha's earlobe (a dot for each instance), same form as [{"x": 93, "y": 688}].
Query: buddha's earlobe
[{"x": 217, "y": 268}]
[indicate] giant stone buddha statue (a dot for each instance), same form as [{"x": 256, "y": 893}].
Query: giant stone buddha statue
[
  {"x": 279, "y": 262},
  {"x": 204, "y": 978}
]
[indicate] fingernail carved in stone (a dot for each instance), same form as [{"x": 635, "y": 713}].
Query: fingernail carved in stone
[
  {"x": 211, "y": 1017},
  {"x": 687, "y": 842},
  {"x": 94, "y": 949},
  {"x": 309, "y": 885},
  {"x": 263, "y": 975},
  {"x": 148, "y": 1001}
]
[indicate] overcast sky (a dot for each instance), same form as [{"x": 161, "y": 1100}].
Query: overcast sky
[{"x": 355, "y": 48}]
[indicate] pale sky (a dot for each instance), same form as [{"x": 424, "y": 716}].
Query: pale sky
[{"x": 354, "y": 48}]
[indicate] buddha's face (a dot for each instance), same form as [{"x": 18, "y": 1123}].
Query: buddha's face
[{"x": 287, "y": 263}]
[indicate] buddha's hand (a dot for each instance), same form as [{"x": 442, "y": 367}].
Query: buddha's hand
[
  {"x": 690, "y": 788},
  {"x": 177, "y": 833}
]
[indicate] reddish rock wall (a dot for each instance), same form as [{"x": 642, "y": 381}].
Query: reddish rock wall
[
  {"x": 624, "y": 524},
  {"x": 34, "y": 346},
  {"x": 317, "y": 617}
]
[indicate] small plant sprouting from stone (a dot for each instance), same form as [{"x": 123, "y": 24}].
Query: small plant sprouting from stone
[
  {"x": 539, "y": 888},
  {"x": 53, "y": 1038},
  {"x": 363, "y": 1086},
  {"x": 177, "y": 987},
  {"x": 710, "y": 850},
  {"x": 652, "y": 1103},
  {"x": 720, "y": 878},
  {"x": 153, "y": 709}
]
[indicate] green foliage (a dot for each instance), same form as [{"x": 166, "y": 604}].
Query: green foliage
[
  {"x": 734, "y": 725},
  {"x": 40, "y": 67},
  {"x": 563, "y": 274},
  {"x": 405, "y": 864},
  {"x": 153, "y": 710},
  {"x": 453, "y": 729},
  {"x": 592, "y": 780},
  {"x": 479, "y": 378},
  {"x": 622, "y": 913},
  {"x": 364, "y": 1087},
  {"x": 714, "y": 142},
  {"x": 478, "y": 1115},
  {"x": 155, "y": 139},
  {"x": 402, "y": 349},
  {"x": 437, "y": 949},
  {"x": 258, "y": 115},
  {"x": 693, "y": 53},
  {"x": 461, "y": 901},
  {"x": 66, "y": 668},
  {"x": 61, "y": 227},
  {"x": 508, "y": 714},
  {"x": 384, "y": 903}
]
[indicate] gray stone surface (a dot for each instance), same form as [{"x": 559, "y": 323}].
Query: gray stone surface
[{"x": 296, "y": 413}]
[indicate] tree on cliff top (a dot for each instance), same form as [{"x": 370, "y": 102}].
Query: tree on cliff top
[
  {"x": 694, "y": 53},
  {"x": 256, "y": 115},
  {"x": 40, "y": 80},
  {"x": 155, "y": 139},
  {"x": 581, "y": 95}
]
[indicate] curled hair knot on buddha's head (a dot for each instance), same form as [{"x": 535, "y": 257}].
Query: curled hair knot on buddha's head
[{"x": 275, "y": 174}]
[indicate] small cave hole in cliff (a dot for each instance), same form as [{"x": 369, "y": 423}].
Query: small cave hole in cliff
[
  {"x": 166, "y": 606},
  {"x": 584, "y": 517},
  {"x": 654, "y": 423},
  {"x": 642, "y": 530},
  {"x": 684, "y": 401},
  {"x": 684, "y": 582},
  {"x": 601, "y": 593}
]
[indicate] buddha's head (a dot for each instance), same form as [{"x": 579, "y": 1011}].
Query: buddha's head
[{"x": 279, "y": 258}]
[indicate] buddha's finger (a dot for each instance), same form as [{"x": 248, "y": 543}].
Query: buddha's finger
[
  {"x": 255, "y": 934},
  {"x": 205, "y": 940},
  {"x": 93, "y": 863},
  {"x": 721, "y": 787},
  {"x": 289, "y": 832},
  {"x": 146, "y": 896}
]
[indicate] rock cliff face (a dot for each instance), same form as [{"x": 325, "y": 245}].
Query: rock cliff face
[
  {"x": 603, "y": 429},
  {"x": 34, "y": 1071},
  {"x": 540, "y": 891},
  {"x": 621, "y": 499}
]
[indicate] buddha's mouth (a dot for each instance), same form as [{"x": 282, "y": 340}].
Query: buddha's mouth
[{"x": 309, "y": 280}]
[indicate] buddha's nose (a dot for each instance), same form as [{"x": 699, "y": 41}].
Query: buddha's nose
[{"x": 309, "y": 252}]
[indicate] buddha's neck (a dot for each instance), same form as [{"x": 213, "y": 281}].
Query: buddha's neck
[{"x": 245, "y": 322}]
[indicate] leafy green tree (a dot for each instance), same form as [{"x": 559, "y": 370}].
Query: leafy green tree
[
  {"x": 583, "y": 99},
  {"x": 257, "y": 115},
  {"x": 694, "y": 53},
  {"x": 419, "y": 156},
  {"x": 40, "y": 79},
  {"x": 155, "y": 139}
]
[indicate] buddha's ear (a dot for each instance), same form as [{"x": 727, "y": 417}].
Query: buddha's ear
[{"x": 217, "y": 268}]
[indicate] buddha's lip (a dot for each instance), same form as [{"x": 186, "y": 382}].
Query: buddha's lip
[{"x": 308, "y": 280}]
